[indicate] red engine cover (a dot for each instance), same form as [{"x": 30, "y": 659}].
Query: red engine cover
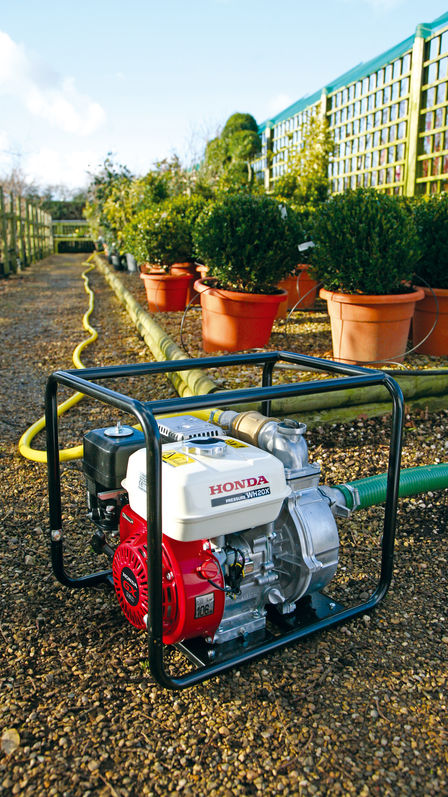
[{"x": 192, "y": 606}]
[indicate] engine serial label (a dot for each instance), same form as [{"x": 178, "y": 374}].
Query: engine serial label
[
  {"x": 260, "y": 492},
  {"x": 204, "y": 605}
]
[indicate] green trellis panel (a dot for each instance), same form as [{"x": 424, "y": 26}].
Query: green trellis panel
[
  {"x": 388, "y": 118},
  {"x": 71, "y": 231}
]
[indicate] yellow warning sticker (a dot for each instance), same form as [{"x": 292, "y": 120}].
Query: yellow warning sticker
[
  {"x": 176, "y": 458},
  {"x": 236, "y": 443}
]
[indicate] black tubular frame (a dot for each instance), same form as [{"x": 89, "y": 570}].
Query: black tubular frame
[{"x": 85, "y": 381}]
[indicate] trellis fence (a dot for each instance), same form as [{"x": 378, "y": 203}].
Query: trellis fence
[
  {"x": 388, "y": 118},
  {"x": 25, "y": 233},
  {"x": 72, "y": 235}
]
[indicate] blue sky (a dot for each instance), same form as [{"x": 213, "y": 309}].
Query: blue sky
[{"x": 143, "y": 79}]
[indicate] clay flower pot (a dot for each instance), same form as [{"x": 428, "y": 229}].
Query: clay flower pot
[
  {"x": 233, "y": 321},
  {"x": 301, "y": 290},
  {"x": 424, "y": 317},
  {"x": 370, "y": 328},
  {"x": 190, "y": 270},
  {"x": 165, "y": 292}
]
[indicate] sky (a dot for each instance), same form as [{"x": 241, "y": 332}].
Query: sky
[{"x": 144, "y": 79}]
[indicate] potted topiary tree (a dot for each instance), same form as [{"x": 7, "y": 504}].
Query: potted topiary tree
[
  {"x": 249, "y": 243},
  {"x": 158, "y": 238},
  {"x": 365, "y": 253},
  {"x": 431, "y": 315},
  {"x": 188, "y": 208}
]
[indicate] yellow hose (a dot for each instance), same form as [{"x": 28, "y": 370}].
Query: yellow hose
[
  {"x": 77, "y": 452},
  {"x": 67, "y": 453}
]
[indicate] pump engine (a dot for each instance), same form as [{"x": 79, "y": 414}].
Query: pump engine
[{"x": 247, "y": 529}]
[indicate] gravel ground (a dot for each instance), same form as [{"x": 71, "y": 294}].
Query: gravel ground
[{"x": 356, "y": 710}]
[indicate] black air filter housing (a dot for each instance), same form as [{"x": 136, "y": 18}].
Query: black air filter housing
[{"x": 106, "y": 454}]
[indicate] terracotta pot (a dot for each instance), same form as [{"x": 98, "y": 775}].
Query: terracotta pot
[
  {"x": 233, "y": 321},
  {"x": 370, "y": 329},
  {"x": 191, "y": 271},
  {"x": 301, "y": 290},
  {"x": 424, "y": 317},
  {"x": 165, "y": 292}
]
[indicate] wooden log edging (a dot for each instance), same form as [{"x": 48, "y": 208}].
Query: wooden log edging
[{"x": 187, "y": 383}]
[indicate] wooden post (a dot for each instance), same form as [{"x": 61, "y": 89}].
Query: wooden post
[
  {"x": 4, "y": 236},
  {"x": 415, "y": 93},
  {"x": 13, "y": 221},
  {"x": 23, "y": 256},
  {"x": 267, "y": 171},
  {"x": 35, "y": 243},
  {"x": 28, "y": 232}
]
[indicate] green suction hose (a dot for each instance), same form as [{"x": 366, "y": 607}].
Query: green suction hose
[{"x": 372, "y": 490}]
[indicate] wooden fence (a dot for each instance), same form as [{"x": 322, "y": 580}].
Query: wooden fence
[{"x": 25, "y": 233}]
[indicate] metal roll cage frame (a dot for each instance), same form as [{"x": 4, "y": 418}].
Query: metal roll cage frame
[{"x": 321, "y": 615}]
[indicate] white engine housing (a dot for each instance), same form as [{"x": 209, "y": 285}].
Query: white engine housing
[{"x": 211, "y": 487}]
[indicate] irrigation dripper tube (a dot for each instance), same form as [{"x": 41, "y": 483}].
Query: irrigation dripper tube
[{"x": 321, "y": 611}]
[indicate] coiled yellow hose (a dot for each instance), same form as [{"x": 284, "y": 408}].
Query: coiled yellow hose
[
  {"x": 77, "y": 451},
  {"x": 67, "y": 453}
]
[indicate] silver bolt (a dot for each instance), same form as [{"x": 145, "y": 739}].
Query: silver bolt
[
  {"x": 56, "y": 535},
  {"x": 332, "y": 605},
  {"x": 169, "y": 576}
]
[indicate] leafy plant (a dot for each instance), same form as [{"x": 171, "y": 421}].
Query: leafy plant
[
  {"x": 431, "y": 219},
  {"x": 159, "y": 237},
  {"x": 249, "y": 242},
  {"x": 306, "y": 180},
  {"x": 108, "y": 186},
  {"x": 226, "y": 165},
  {"x": 366, "y": 242}
]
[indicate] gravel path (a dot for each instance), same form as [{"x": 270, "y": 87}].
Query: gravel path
[{"x": 357, "y": 710}]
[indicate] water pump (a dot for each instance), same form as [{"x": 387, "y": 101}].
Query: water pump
[
  {"x": 221, "y": 539},
  {"x": 245, "y": 526}
]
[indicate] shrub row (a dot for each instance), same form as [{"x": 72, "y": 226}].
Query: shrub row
[{"x": 365, "y": 241}]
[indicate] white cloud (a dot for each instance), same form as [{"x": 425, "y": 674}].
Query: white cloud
[
  {"x": 50, "y": 167},
  {"x": 279, "y": 103},
  {"x": 44, "y": 93}
]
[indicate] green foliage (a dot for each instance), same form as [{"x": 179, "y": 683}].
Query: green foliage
[
  {"x": 64, "y": 208},
  {"x": 237, "y": 123},
  {"x": 306, "y": 180},
  {"x": 249, "y": 242},
  {"x": 162, "y": 234},
  {"x": 115, "y": 196},
  {"x": 365, "y": 243},
  {"x": 226, "y": 163},
  {"x": 431, "y": 219},
  {"x": 107, "y": 189}
]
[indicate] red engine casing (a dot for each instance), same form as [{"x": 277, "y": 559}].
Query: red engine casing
[{"x": 192, "y": 607}]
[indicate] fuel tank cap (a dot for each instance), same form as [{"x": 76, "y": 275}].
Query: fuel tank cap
[
  {"x": 214, "y": 447},
  {"x": 118, "y": 431}
]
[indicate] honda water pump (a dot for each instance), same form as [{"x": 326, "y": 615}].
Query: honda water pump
[
  {"x": 244, "y": 526},
  {"x": 220, "y": 535}
]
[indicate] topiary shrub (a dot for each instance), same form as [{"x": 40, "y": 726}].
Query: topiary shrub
[
  {"x": 248, "y": 242},
  {"x": 366, "y": 242},
  {"x": 159, "y": 237},
  {"x": 431, "y": 219}
]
